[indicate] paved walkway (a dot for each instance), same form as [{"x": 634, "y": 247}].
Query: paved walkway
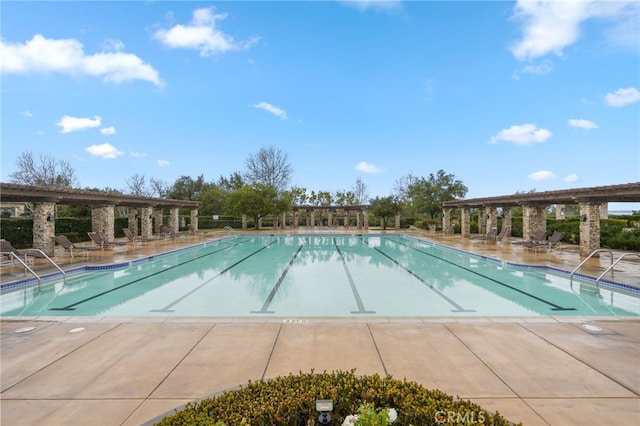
[{"x": 106, "y": 371}]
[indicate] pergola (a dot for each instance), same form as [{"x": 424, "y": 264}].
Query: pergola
[
  {"x": 102, "y": 206},
  {"x": 593, "y": 203}
]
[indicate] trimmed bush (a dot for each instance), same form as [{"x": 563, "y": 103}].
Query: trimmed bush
[{"x": 290, "y": 400}]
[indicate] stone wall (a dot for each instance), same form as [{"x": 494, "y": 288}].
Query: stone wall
[{"x": 44, "y": 227}]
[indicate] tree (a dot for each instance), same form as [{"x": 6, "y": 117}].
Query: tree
[
  {"x": 345, "y": 198},
  {"x": 385, "y": 208},
  {"x": 360, "y": 192},
  {"x": 428, "y": 194},
  {"x": 257, "y": 201},
  {"x": 48, "y": 172},
  {"x": 185, "y": 188},
  {"x": 269, "y": 167},
  {"x": 136, "y": 185}
]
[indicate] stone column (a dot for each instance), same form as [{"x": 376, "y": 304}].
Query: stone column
[
  {"x": 146, "y": 228},
  {"x": 465, "y": 221},
  {"x": 560, "y": 211},
  {"x": 534, "y": 219},
  {"x": 174, "y": 220},
  {"x": 346, "y": 219},
  {"x": 313, "y": 218},
  {"x": 358, "y": 221},
  {"x": 194, "y": 220},
  {"x": 294, "y": 225},
  {"x": 259, "y": 223},
  {"x": 446, "y": 221},
  {"x": 102, "y": 221},
  {"x": 132, "y": 222},
  {"x": 507, "y": 219},
  {"x": 604, "y": 211},
  {"x": 330, "y": 218},
  {"x": 589, "y": 228},
  {"x": 492, "y": 219},
  {"x": 365, "y": 219},
  {"x": 398, "y": 221},
  {"x": 482, "y": 220},
  {"x": 157, "y": 214},
  {"x": 44, "y": 228},
  {"x": 244, "y": 221},
  {"x": 284, "y": 219},
  {"x": 382, "y": 222}
]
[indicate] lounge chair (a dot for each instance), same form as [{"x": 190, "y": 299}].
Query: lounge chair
[
  {"x": 491, "y": 235},
  {"x": 134, "y": 238},
  {"x": 538, "y": 237},
  {"x": 101, "y": 242},
  {"x": 9, "y": 251},
  {"x": 63, "y": 241},
  {"x": 553, "y": 240},
  {"x": 504, "y": 232}
]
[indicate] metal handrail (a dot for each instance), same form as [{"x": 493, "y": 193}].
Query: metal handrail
[
  {"x": 610, "y": 268},
  {"x": 43, "y": 254},
  {"x": 593, "y": 253},
  {"x": 12, "y": 255}
]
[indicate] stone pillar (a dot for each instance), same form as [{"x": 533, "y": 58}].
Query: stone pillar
[
  {"x": 244, "y": 221},
  {"x": 284, "y": 220},
  {"x": 330, "y": 218},
  {"x": 44, "y": 228},
  {"x": 482, "y": 221},
  {"x": 346, "y": 219},
  {"x": 560, "y": 212},
  {"x": 146, "y": 223},
  {"x": 589, "y": 228},
  {"x": 398, "y": 221},
  {"x": 132, "y": 221},
  {"x": 365, "y": 219},
  {"x": 294, "y": 225},
  {"x": 604, "y": 211},
  {"x": 465, "y": 221},
  {"x": 492, "y": 219},
  {"x": 382, "y": 222},
  {"x": 174, "y": 220},
  {"x": 102, "y": 221},
  {"x": 534, "y": 219},
  {"x": 358, "y": 221},
  {"x": 259, "y": 223},
  {"x": 446, "y": 221},
  {"x": 194, "y": 220},
  {"x": 313, "y": 218},
  {"x": 507, "y": 219},
  {"x": 158, "y": 221}
]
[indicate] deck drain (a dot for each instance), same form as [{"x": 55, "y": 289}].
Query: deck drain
[
  {"x": 24, "y": 330},
  {"x": 76, "y": 330},
  {"x": 590, "y": 327}
]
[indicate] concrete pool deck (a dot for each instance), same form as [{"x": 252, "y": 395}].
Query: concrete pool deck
[{"x": 127, "y": 371}]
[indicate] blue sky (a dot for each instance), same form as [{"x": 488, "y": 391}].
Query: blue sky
[{"x": 507, "y": 96}]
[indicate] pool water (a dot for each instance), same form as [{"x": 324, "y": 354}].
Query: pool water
[{"x": 319, "y": 275}]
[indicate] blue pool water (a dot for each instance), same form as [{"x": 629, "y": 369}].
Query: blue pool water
[{"x": 319, "y": 275}]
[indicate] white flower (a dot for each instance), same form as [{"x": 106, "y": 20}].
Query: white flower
[
  {"x": 393, "y": 415},
  {"x": 351, "y": 419}
]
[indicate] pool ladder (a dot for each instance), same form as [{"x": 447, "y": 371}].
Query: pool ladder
[
  {"x": 610, "y": 268},
  {"x": 25, "y": 262}
]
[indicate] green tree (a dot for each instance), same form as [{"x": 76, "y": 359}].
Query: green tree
[
  {"x": 258, "y": 201},
  {"x": 385, "y": 208},
  {"x": 185, "y": 188},
  {"x": 428, "y": 194}
]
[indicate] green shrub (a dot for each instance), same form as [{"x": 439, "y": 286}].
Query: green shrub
[{"x": 290, "y": 400}]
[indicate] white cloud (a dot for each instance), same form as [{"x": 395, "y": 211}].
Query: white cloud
[
  {"x": 363, "y": 5},
  {"x": 542, "y": 175},
  {"x": 581, "y": 123},
  {"x": 622, "y": 97},
  {"x": 202, "y": 35},
  {"x": 365, "y": 167},
  {"x": 550, "y": 25},
  {"x": 163, "y": 163},
  {"x": 72, "y": 124},
  {"x": 571, "y": 178},
  {"x": 27, "y": 114},
  {"x": 108, "y": 130},
  {"x": 106, "y": 151},
  {"x": 137, "y": 154},
  {"x": 523, "y": 134},
  {"x": 66, "y": 56},
  {"x": 272, "y": 109}
]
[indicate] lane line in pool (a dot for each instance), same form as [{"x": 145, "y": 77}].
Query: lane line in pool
[
  {"x": 553, "y": 305},
  {"x": 275, "y": 288},
  {"x": 189, "y": 293},
  {"x": 73, "y": 305},
  {"x": 457, "y": 307},
  {"x": 352, "y": 283}
]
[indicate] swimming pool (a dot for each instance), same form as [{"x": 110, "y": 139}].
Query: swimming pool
[{"x": 319, "y": 276}]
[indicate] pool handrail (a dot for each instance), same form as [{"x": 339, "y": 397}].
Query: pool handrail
[
  {"x": 613, "y": 264},
  {"x": 593, "y": 253}
]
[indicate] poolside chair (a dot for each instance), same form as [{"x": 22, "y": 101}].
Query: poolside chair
[
  {"x": 134, "y": 238},
  {"x": 539, "y": 236},
  {"x": 9, "y": 251},
  {"x": 491, "y": 235},
  {"x": 553, "y": 240},
  {"x": 504, "y": 232},
  {"x": 102, "y": 243},
  {"x": 63, "y": 241}
]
